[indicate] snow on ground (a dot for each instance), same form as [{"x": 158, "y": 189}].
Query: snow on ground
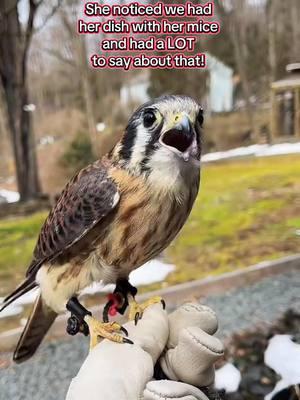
[
  {"x": 228, "y": 378},
  {"x": 11, "y": 311},
  {"x": 9, "y": 195},
  {"x": 283, "y": 356},
  {"x": 27, "y": 298},
  {"x": 151, "y": 272},
  {"x": 256, "y": 150},
  {"x": 17, "y": 306}
]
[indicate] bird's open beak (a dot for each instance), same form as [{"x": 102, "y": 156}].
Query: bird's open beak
[{"x": 180, "y": 137}]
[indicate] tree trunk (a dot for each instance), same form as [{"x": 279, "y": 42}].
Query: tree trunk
[
  {"x": 13, "y": 56},
  {"x": 295, "y": 15},
  {"x": 241, "y": 66},
  {"x": 271, "y": 12},
  {"x": 87, "y": 93},
  {"x": 233, "y": 20},
  {"x": 238, "y": 39},
  {"x": 81, "y": 64}
]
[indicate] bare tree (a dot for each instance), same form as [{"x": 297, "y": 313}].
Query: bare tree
[
  {"x": 272, "y": 12},
  {"x": 15, "y": 41},
  {"x": 295, "y": 16},
  {"x": 233, "y": 18},
  {"x": 80, "y": 61}
]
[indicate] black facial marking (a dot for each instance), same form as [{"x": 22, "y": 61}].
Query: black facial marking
[
  {"x": 198, "y": 129},
  {"x": 151, "y": 147},
  {"x": 128, "y": 141},
  {"x": 145, "y": 115}
]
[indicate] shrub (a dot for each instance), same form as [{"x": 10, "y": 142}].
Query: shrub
[{"x": 78, "y": 154}]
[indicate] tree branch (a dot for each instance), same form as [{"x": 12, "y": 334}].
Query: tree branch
[
  {"x": 220, "y": 9},
  {"x": 59, "y": 57},
  {"x": 28, "y": 34},
  {"x": 5, "y": 12},
  {"x": 49, "y": 16},
  {"x": 33, "y": 7},
  {"x": 66, "y": 23}
]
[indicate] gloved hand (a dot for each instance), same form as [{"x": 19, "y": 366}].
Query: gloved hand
[{"x": 180, "y": 346}]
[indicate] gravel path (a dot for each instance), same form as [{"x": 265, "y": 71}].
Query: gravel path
[{"x": 48, "y": 375}]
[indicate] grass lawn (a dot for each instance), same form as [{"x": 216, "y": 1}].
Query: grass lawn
[{"x": 247, "y": 211}]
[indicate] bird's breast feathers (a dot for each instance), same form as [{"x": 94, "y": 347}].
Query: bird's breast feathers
[{"x": 146, "y": 221}]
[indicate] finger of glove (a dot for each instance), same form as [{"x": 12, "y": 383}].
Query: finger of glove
[
  {"x": 112, "y": 371},
  {"x": 124, "y": 367},
  {"x": 170, "y": 390},
  {"x": 192, "y": 360},
  {"x": 151, "y": 332},
  {"x": 188, "y": 315}
]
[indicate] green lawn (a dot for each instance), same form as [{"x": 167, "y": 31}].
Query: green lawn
[{"x": 247, "y": 211}]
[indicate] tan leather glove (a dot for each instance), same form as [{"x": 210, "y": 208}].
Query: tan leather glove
[
  {"x": 181, "y": 342},
  {"x": 191, "y": 348}
]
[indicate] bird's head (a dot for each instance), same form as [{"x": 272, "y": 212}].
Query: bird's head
[{"x": 163, "y": 134}]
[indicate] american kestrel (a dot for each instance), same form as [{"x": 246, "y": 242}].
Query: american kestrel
[{"x": 113, "y": 216}]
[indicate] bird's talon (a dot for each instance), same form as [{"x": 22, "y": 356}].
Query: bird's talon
[
  {"x": 136, "y": 318},
  {"x": 122, "y": 329},
  {"x": 136, "y": 310},
  {"x": 104, "y": 330},
  {"x": 125, "y": 340}
]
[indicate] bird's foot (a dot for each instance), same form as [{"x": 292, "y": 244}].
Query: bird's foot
[
  {"x": 118, "y": 300},
  {"x": 81, "y": 320},
  {"x": 105, "y": 330},
  {"x": 136, "y": 310}
]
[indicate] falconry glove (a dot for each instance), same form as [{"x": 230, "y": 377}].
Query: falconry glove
[{"x": 171, "y": 358}]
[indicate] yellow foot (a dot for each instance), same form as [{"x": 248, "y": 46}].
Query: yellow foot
[
  {"x": 105, "y": 330},
  {"x": 136, "y": 310}
]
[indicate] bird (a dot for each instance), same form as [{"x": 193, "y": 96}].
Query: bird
[{"x": 112, "y": 217}]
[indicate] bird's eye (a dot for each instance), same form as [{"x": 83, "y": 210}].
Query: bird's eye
[
  {"x": 200, "y": 118},
  {"x": 149, "y": 118}
]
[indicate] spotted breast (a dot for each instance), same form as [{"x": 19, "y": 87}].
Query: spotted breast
[{"x": 145, "y": 223}]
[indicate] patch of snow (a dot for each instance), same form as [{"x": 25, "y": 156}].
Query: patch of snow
[
  {"x": 9, "y": 195},
  {"x": 46, "y": 140},
  {"x": 232, "y": 153},
  {"x": 29, "y": 107},
  {"x": 100, "y": 127},
  {"x": 27, "y": 298},
  {"x": 11, "y": 311},
  {"x": 283, "y": 356},
  {"x": 256, "y": 150},
  {"x": 151, "y": 272},
  {"x": 280, "y": 385},
  {"x": 97, "y": 287},
  {"x": 228, "y": 378},
  {"x": 278, "y": 149},
  {"x": 17, "y": 306}
]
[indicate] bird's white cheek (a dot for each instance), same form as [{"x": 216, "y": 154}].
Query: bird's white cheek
[
  {"x": 165, "y": 169},
  {"x": 141, "y": 140}
]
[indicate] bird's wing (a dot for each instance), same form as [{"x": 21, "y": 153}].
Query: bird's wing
[{"x": 86, "y": 199}]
